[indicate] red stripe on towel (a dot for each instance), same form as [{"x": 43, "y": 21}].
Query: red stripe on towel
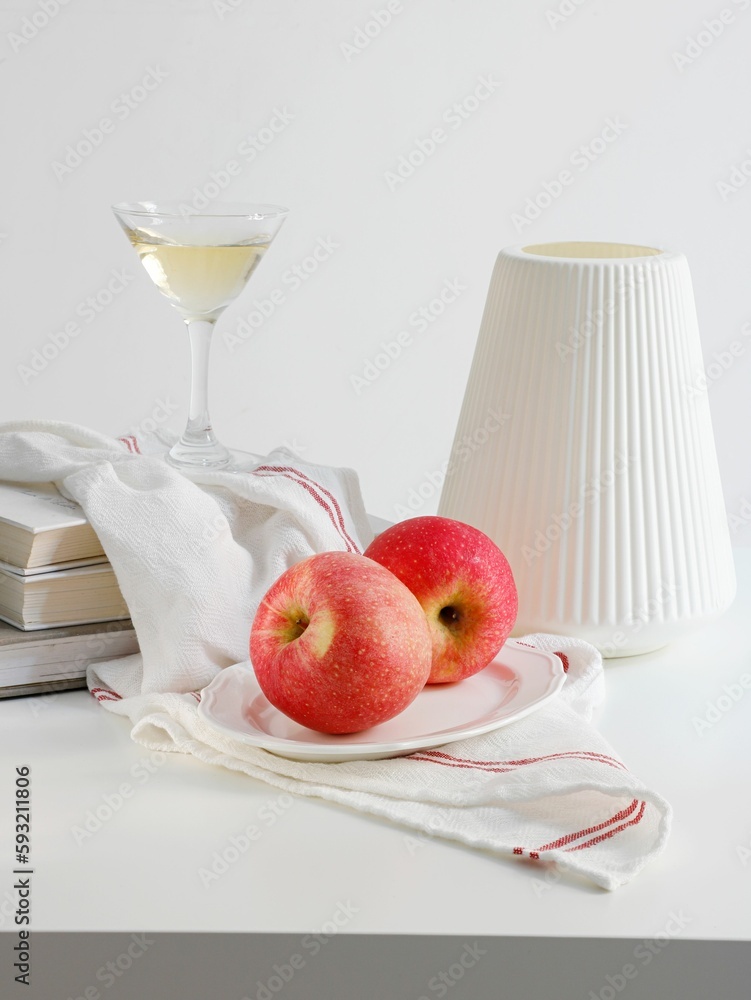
[
  {"x": 325, "y": 491},
  {"x": 593, "y": 755},
  {"x": 610, "y": 833},
  {"x": 130, "y": 443},
  {"x": 569, "y": 837},
  {"x": 267, "y": 471},
  {"x": 101, "y": 693},
  {"x": 564, "y": 660}
]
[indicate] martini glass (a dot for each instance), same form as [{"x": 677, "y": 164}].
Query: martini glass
[{"x": 200, "y": 262}]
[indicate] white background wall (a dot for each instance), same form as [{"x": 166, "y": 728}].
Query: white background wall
[{"x": 221, "y": 71}]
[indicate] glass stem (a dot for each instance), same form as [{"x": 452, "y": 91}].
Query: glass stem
[
  {"x": 199, "y": 422},
  {"x": 198, "y": 445}
]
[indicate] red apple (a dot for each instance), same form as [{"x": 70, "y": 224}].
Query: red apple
[
  {"x": 464, "y": 584},
  {"x": 339, "y": 644}
]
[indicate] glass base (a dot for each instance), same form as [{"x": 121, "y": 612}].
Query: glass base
[{"x": 190, "y": 460}]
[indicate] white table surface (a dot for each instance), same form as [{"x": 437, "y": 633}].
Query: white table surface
[{"x": 314, "y": 861}]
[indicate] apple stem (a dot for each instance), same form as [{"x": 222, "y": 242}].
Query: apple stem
[{"x": 296, "y": 626}]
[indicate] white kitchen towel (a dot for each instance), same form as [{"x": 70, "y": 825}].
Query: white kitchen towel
[
  {"x": 192, "y": 561},
  {"x": 194, "y": 557}
]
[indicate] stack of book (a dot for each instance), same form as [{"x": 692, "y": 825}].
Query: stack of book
[{"x": 56, "y": 590}]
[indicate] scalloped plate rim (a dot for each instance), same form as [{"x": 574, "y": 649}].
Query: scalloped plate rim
[{"x": 550, "y": 679}]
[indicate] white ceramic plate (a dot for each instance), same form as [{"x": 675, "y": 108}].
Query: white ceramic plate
[{"x": 517, "y": 682}]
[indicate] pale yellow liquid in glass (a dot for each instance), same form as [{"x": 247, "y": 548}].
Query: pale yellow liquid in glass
[{"x": 199, "y": 280}]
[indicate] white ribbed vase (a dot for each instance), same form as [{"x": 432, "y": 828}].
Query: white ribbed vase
[{"x": 585, "y": 450}]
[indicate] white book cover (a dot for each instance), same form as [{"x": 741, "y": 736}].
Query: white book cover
[
  {"x": 43, "y": 661},
  {"x": 47, "y": 644},
  {"x": 103, "y": 570},
  {"x": 26, "y": 573},
  {"x": 46, "y": 573},
  {"x": 45, "y": 625},
  {"x": 38, "y": 507},
  {"x": 57, "y": 658}
]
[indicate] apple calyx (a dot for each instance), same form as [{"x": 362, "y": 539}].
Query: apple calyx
[
  {"x": 309, "y": 629},
  {"x": 450, "y": 617}
]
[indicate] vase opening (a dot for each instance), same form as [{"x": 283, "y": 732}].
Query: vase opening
[{"x": 599, "y": 251}]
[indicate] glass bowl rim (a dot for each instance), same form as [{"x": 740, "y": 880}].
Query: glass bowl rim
[{"x": 183, "y": 211}]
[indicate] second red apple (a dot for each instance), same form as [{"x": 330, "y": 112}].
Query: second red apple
[{"x": 464, "y": 584}]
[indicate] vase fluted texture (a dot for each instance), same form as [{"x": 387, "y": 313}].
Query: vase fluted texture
[{"x": 585, "y": 449}]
